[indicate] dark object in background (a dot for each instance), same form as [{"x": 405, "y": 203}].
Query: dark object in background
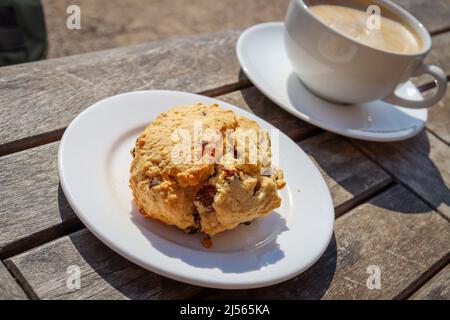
[{"x": 23, "y": 36}]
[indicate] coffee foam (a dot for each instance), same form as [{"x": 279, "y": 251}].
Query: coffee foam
[{"x": 392, "y": 35}]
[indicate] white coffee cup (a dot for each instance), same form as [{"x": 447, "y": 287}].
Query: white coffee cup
[{"x": 359, "y": 73}]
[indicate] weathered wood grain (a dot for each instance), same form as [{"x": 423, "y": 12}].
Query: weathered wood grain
[
  {"x": 440, "y": 52},
  {"x": 422, "y": 163},
  {"x": 350, "y": 176},
  {"x": 433, "y": 14},
  {"x": 9, "y": 288},
  {"x": 44, "y": 96},
  {"x": 394, "y": 231},
  {"x": 104, "y": 274},
  {"x": 33, "y": 208},
  {"x": 439, "y": 117},
  {"x": 438, "y": 288}
]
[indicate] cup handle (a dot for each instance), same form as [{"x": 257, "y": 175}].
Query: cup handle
[{"x": 441, "y": 83}]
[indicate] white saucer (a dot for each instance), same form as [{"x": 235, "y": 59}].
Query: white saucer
[
  {"x": 261, "y": 52},
  {"x": 94, "y": 160}
]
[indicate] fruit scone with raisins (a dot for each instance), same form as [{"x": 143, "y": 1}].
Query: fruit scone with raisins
[{"x": 189, "y": 170}]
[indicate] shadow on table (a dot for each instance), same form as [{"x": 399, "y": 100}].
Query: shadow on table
[
  {"x": 176, "y": 244},
  {"x": 137, "y": 283},
  {"x": 65, "y": 210},
  {"x": 121, "y": 274},
  {"x": 407, "y": 161},
  {"x": 310, "y": 285}
]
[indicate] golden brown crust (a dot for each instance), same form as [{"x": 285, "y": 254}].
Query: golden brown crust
[{"x": 208, "y": 197}]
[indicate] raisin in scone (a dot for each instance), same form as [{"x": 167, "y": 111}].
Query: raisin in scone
[{"x": 217, "y": 193}]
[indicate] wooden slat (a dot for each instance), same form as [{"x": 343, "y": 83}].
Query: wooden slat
[
  {"x": 439, "y": 117},
  {"x": 438, "y": 288},
  {"x": 440, "y": 52},
  {"x": 33, "y": 208},
  {"x": 143, "y": 67},
  {"x": 433, "y": 14},
  {"x": 347, "y": 190},
  {"x": 104, "y": 274},
  {"x": 350, "y": 176},
  {"x": 45, "y": 96},
  {"x": 394, "y": 231},
  {"x": 9, "y": 289},
  {"x": 421, "y": 163}
]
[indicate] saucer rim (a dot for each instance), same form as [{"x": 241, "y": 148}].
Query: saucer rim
[{"x": 355, "y": 134}]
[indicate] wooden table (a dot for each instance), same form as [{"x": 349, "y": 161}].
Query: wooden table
[{"x": 392, "y": 200}]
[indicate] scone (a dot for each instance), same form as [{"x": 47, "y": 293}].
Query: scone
[{"x": 215, "y": 184}]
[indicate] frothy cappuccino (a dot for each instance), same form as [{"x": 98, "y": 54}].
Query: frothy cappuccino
[{"x": 390, "y": 35}]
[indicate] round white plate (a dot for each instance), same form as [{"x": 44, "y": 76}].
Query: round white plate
[
  {"x": 261, "y": 52},
  {"x": 94, "y": 162}
]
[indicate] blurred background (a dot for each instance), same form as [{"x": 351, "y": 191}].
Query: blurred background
[{"x": 36, "y": 29}]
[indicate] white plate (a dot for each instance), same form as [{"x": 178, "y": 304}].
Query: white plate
[
  {"x": 261, "y": 52},
  {"x": 94, "y": 164}
]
